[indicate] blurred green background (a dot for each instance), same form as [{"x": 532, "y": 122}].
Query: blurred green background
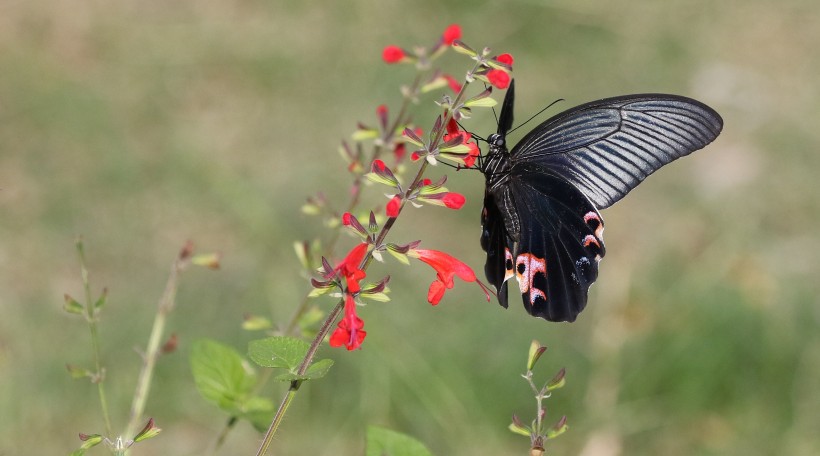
[{"x": 140, "y": 124}]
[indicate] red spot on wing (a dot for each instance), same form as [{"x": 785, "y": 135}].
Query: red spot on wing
[{"x": 527, "y": 266}]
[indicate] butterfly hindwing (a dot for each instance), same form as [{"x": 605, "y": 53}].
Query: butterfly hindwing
[
  {"x": 559, "y": 244},
  {"x": 608, "y": 147},
  {"x": 495, "y": 241}
]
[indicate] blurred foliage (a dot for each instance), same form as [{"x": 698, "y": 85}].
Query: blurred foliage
[{"x": 140, "y": 124}]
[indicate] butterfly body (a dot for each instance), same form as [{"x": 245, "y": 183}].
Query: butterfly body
[{"x": 540, "y": 222}]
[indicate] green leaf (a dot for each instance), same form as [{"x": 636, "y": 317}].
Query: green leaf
[
  {"x": 259, "y": 412},
  {"x": 384, "y": 442},
  {"x": 309, "y": 320},
  {"x": 316, "y": 370},
  {"x": 221, "y": 374},
  {"x": 279, "y": 351}
]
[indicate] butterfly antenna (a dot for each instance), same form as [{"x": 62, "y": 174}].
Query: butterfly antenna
[{"x": 536, "y": 115}]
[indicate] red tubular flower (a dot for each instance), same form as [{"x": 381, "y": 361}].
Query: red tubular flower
[
  {"x": 455, "y": 86},
  {"x": 349, "y": 267},
  {"x": 346, "y": 218},
  {"x": 446, "y": 268},
  {"x": 393, "y": 54},
  {"x": 393, "y": 206},
  {"x": 499, "y": 78},
  {"x": 505, "y": 58},
  {"x": 399, "y": 151},
  {"x": 453, "y": 200},
  {"x": 454, "y": 131},
  {"x": 378, "y": 165},
  {"x": 349, "y": 331},
  {"x": 451, "y": 33}
]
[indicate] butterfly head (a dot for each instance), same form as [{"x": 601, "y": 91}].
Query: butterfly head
[{"x": 497, "y": 141}]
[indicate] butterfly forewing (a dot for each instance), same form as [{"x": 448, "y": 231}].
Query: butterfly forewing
[{"x": 607, "y": 147}]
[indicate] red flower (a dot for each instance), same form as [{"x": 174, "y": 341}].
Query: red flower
[
  {"x": 505, "y": 58},
  {"x": 393, "y": 54},
  {"x": 378, "y": 165},
  {"x": 415, "y": 156},
  {"x": 349, "y": 267},
  {"x": 399, "y": 151},
  {"x": 499, "y": 78},
  {"x": 446, "y": 268},
  {"x": 346, "y": 218},
  {"x": 453, "y": 200},
  {"x": 454, "y": 131},
  {"x": 349, "y": 331},
  {"x": 393, "y": 206},
  {"x": 452, "y": 33},
  {"x": 455, "y": 86}
]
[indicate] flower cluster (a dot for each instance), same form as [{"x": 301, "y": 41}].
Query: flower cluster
[{"x": 445, "y": 140}]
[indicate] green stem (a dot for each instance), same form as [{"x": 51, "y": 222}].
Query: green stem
[
  {"x": 91, "y": 318},
  {"x": 294, "y": 386},
  {"x": 152, "y": 351}
]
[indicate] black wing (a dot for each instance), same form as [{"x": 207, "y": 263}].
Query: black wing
[
  {"x": 607, "y": 147},
  {"x": 496, "y": 242},
  {"x": 560, "y": 244}
]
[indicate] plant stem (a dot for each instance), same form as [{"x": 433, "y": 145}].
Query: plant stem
[
  {"x": 152, "y": 351},
  {"x": 294, "y": 385},
  {"x": 91, "y": 318}
]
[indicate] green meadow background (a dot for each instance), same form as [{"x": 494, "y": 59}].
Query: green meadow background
[{"x": 141, "y": 124}]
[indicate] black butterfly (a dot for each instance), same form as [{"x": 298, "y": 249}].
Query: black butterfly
[{"x": 540, "y": 222}]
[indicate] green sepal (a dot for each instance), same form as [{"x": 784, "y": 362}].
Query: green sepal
[
  {"x": 402, "y": 257},
  {"x": 208, "y": 260},
  {"x": 558, "y": 428},
  {"x": 482, "y": 100},
  {"x": 517, "y": 427},
  {"x": 459, "y": 148},
  {"x": 89, "y": 441},
  {"x": 434, "y": 84},
  {"x": 100, "y": 303},
  {"x": 536, "y": 350},
  {"x": 147, "y": 432},
  {"x": 320, "y": 291},
  {"x": 411, "y": 137},
  {"x": 72, "y": 306},
  {"x": 462, "y": 48},
  {"x": 78, "y": 372},
  {"x": 382, "y": 179},
  {"x": 381, "y": 296},
  {"x": 364, "y": 134},
  {"x": 558, "y": 381}
]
